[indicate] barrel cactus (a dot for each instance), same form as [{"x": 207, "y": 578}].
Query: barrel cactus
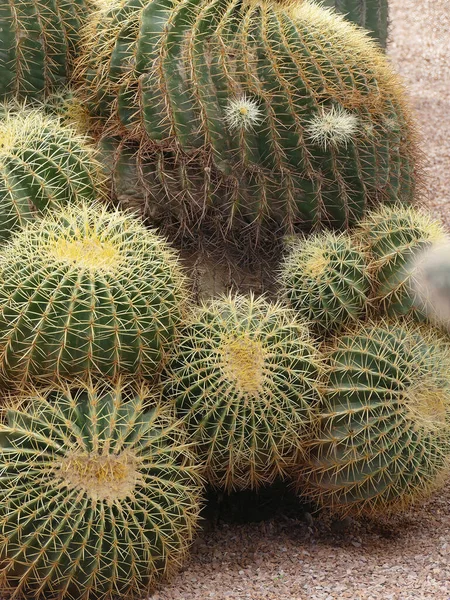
[
  {"x": 257, "y": 117},
  {"x": 383, "y": 441},
  {"x": 394, "y": 237},
  {"x": 324, "y": 278},
  {"x": 244, "y": 379},
  {"x": 43, "y": 164},
  {"x": 373, "y": 15},
  {"x": 99, "y": 494},
  {"x": 38, "y": 44},
  {"x": 85, "y": 291}
]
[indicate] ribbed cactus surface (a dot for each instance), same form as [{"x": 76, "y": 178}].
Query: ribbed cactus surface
[
  {"x": 383, "y": 441},
  {"x": 244, "y": 378},
  {"x": 86, "y": 290},
  {"x": 256, "y": 116},
  {"x": 373, "y": 15},
  {"x": 325, "y": 279},
  {"x": 394, "y": 237},
  {"x": 43, "y": 164},
  {"x": 99, "y": 494},
  {"x": 38, "y": 43}
]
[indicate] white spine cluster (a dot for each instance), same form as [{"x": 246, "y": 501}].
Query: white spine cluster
[
  {"x": 242, "y": 114},
  {"x": 333, "y": 126}
]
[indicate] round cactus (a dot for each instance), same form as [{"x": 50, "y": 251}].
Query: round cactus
[
  {"x": 38, "y": 43},
  {"x": 84, "y": 291},
  {"x": 99, "y": 494},
  {"x": 383, "y": 441},
  {"x": 244, "y": 378},
  {"x": 43, "y": 164},
  {"x": 258, "y": 116},
  {"x": 394, "y": 236},
  {"x": 324, "y": 278},
  {"x": 373, "y": 15}
]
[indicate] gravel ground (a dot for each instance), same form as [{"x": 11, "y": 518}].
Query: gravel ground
[{"x": 408, "y": 559}]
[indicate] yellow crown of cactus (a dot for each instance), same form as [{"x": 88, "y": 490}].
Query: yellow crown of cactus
[
  {"x": 244, "y": 378},
  {"x": 383, "y": 438},
  {"x": 87, "y": 290},
  {"x": 99, "y": 495}
]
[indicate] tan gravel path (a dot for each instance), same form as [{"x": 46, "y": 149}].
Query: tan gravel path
[{"x": 405, "y": 560}]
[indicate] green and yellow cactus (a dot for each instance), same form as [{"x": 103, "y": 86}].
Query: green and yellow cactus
[
  {"x": 86, "y": 291},
  {"x": 394, "y": 236},
  {"x": 43, "y": 165},
  {"x": 383, "y": 440},
  {"x": 373, "y": 15},
  {"x": 100, "y": 493},
  {"x": 325, "y": 280},
  {"x": 38, "y": 43},
  {"x": 258, "y": 117},
  {"x": 244, "y": 379}
]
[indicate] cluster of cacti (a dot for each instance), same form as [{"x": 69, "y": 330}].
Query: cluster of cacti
[
  {"x": 244, "y": 378},
  {"x": 99, "y": 492},
  {"x": 373, "y": 15},
  {"x": 85, "y": 290},
  {"x": 43, "y": 164},
  {"x": 255, "y": 117},
  {"x": 38, "y": 43}
]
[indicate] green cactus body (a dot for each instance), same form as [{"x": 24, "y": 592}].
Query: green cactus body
[
  {"x": 325, "y": 280},
  {"x": 244, "y": 378},
  {"x": 38, "y": 44},
  {"x": 43, "y": 165},
  {"x": 394, "y": 236},
  {"x": 86, "y": 290},
  {"x": 99, "y": 494},
  {"x": 383, "y": 441},
  {"x": 262, "y": 117},
  {"x": 373, "y": 15}
]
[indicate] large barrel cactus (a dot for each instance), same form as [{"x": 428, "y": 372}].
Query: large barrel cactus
[
  {"x": 244, "y": 377},
  {"x": 373, "y": 15},
  {"x": 325, "y": 279},
  {"x": 86, "y": 290},
  {"x": 394, "y": 238},
  {"x": 99, "y": 493},
  {"x": 43, "y": 164},
  {"x": 38, "y": 43},
  {"x": 383, "y": 441},
  {"x": 257, "y": 117}
]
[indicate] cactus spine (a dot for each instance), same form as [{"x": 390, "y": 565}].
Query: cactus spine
[
  {"x": 37, "y": 46},
  {"x": 394, "y": 236},
  {"x": 324, "y": 279},
  {"x": 43, "y": 164},
  {"x": 384, "y": 431},
  {"x": 244, "y": 378},
  {"x": 99, "y": 494},
  {"x": 86, "y": 290},
  {"x": 257, "y": 116},
  {"x": 373, "y": 15}
]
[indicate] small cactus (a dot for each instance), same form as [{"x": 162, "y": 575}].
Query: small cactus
[
  {"x": 85, "y": 291},
  {"x": 244, "y": 378},
  {"x": 38, "y": 44},
  {"x": 43, "y": 165},
  {"x": 393, "y": 236},
  {"x": 258, "y": 118},
  {"x": 99, "y": 495},
  {"x": 324, "y": 278},
  {"x": 373, "y": 15},
  {"x": 383, "y": 438}
]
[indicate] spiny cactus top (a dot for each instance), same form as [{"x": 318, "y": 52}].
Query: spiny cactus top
[
  {"x": 269, "y": 115},
  {"x": 393, "y": 237},
  {"x": 325, "y": 279},
  {"x": 38, "y": 43},
  {"x": 384, "y": 431},
  {"x": 86, "y": 290},
  {"x": 244, "y": 377},
  {"x": 43, "y": 164},
  {"x": 370, "y": 14},
  {"x": 99, "y": 494}
]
